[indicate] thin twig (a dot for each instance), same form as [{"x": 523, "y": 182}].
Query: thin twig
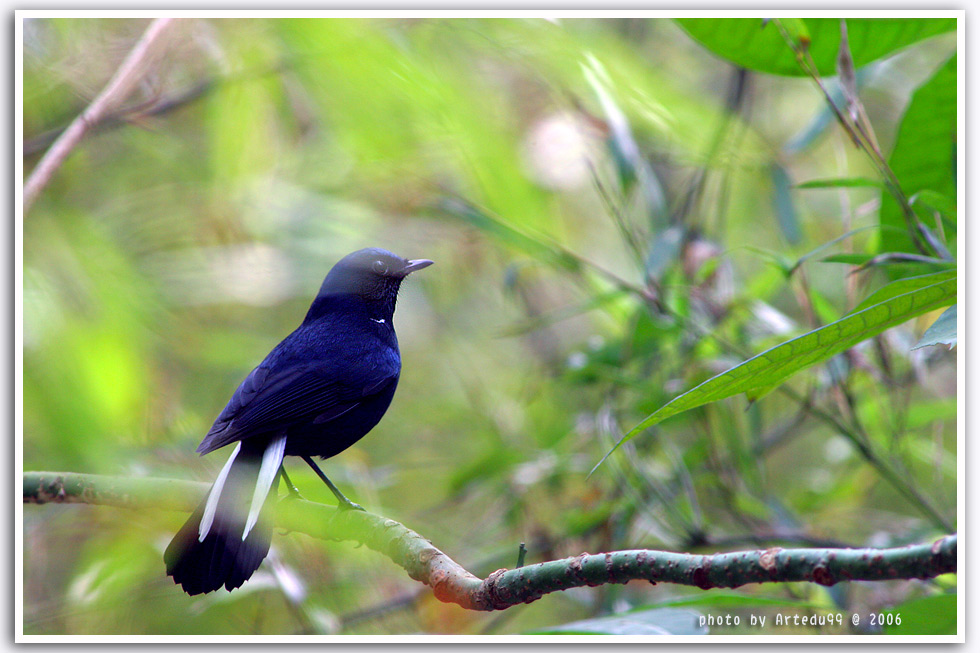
[
  {"x": 864, "y": 140},
  {"x": 126, "y": 115},
  {"x": 129, "y": 74}
]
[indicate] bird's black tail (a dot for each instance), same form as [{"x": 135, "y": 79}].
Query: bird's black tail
[{"x": 203, "y": 557}]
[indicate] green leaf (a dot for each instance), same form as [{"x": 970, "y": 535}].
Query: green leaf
[
  {"x": 931, "y": 615},
  {"x": 773, "y": 366},
  {"x": 797, "y": 30},
  {"x": 903, "y": 286},
  {"x": 924, "y": 157},
  {"x": 850, "y": 259},
  {"x": 840, "y": 182},
  {"x": 535, "y": 245},
  {"x": 823, "y": 118},
  {"x": 664, "y": 250},
  {"x": 819, "y": 248},
  {"x": 756, "y": 394},
  {"x": 783, "y": 204},
  {"x": 745, "y": 42},
  {"x": 942, "y": 331},
  {"x": 660, "y": 621},
  {"x": 898, "y": 259},
  {"x": 934, "y": 201}
]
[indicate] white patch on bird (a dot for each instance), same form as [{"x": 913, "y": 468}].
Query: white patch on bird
[
  {"x": 212, "y": 504},
  {"x": 271, "y": 460},
  {"x": 381, "y": 321}
]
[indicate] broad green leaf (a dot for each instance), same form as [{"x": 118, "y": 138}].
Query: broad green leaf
[
  {"x": 660, "y": 621},
  {"x": 773, "y": 366},
  {"x": 930, "y": 615},
  {"x": 924, "y": 157},
  {"x": 756, "y": 394},
  {"x": 903, "y": 286},
  {"x": 840, "y": 182},
  {"x": 942, "y": 331},
  {"x": 797, "y": 31},
  {"x": 933, "y": 201},
  {"x": 745, "y": 42}
]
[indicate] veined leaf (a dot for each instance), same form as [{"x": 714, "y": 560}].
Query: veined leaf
[
  {"x": 903, "y": 286},
  {"x": 773, "y": 366}
]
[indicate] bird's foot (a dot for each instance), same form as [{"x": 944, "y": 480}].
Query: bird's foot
[
  {"x": 290, "y": 488},
  {"x": 347, "y": 504}
]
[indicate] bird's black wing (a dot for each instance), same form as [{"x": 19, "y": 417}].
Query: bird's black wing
[{"x": 269, "y": 400}]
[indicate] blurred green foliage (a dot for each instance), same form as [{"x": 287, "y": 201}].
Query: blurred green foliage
[{"x": 616, "y": 215}]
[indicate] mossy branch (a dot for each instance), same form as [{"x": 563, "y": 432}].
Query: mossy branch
[{"x": 504, "y": 588}]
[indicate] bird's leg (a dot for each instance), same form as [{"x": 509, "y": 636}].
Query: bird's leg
[
  {"x": 344, "y": 502},
  {"x": 293, "y": 492}
]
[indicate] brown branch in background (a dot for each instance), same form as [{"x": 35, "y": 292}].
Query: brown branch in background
[
  {"x": 115, "y": 119},
  {"x": 129, "y": 74},
  {"x": 505, "y": 588}
]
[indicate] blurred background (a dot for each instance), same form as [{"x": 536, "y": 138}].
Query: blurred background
[{"x": 615, "y": 216}]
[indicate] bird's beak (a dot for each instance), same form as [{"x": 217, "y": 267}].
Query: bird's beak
[{"x": 417, "y": 264}]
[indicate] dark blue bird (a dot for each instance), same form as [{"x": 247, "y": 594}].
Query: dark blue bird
[{"x": 317, "y": 393}]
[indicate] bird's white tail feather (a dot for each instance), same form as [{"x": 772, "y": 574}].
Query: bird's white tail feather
[
  {"x": 212, "y": 505},
  {"x": 271, "y": 460}
]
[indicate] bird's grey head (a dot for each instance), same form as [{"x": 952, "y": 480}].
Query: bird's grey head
[{"x": 373, "y": 274}]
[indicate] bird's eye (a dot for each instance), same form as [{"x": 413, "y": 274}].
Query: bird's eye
[{"x": 380, "y": 267}]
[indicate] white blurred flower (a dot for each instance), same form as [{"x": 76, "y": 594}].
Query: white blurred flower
[{"x": 558, "y": 149}]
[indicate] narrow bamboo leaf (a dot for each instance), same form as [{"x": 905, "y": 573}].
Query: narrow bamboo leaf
[
  {"x": 783, "y": 204},
  {"x": 773, "y": 366},
  {"x": 903, "y": 286},
  {"x": 870, "y": 260},
  {"x": 942, "y": 331},
  {"x": 819, "y": 248},
  {"x": 625, "y": 151},
  {"x": 841, "y": 182},
  {"x": 850, "y": 259},
  {"x": 533, "y": 245},
  {"x": 664, "y": 250}
]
